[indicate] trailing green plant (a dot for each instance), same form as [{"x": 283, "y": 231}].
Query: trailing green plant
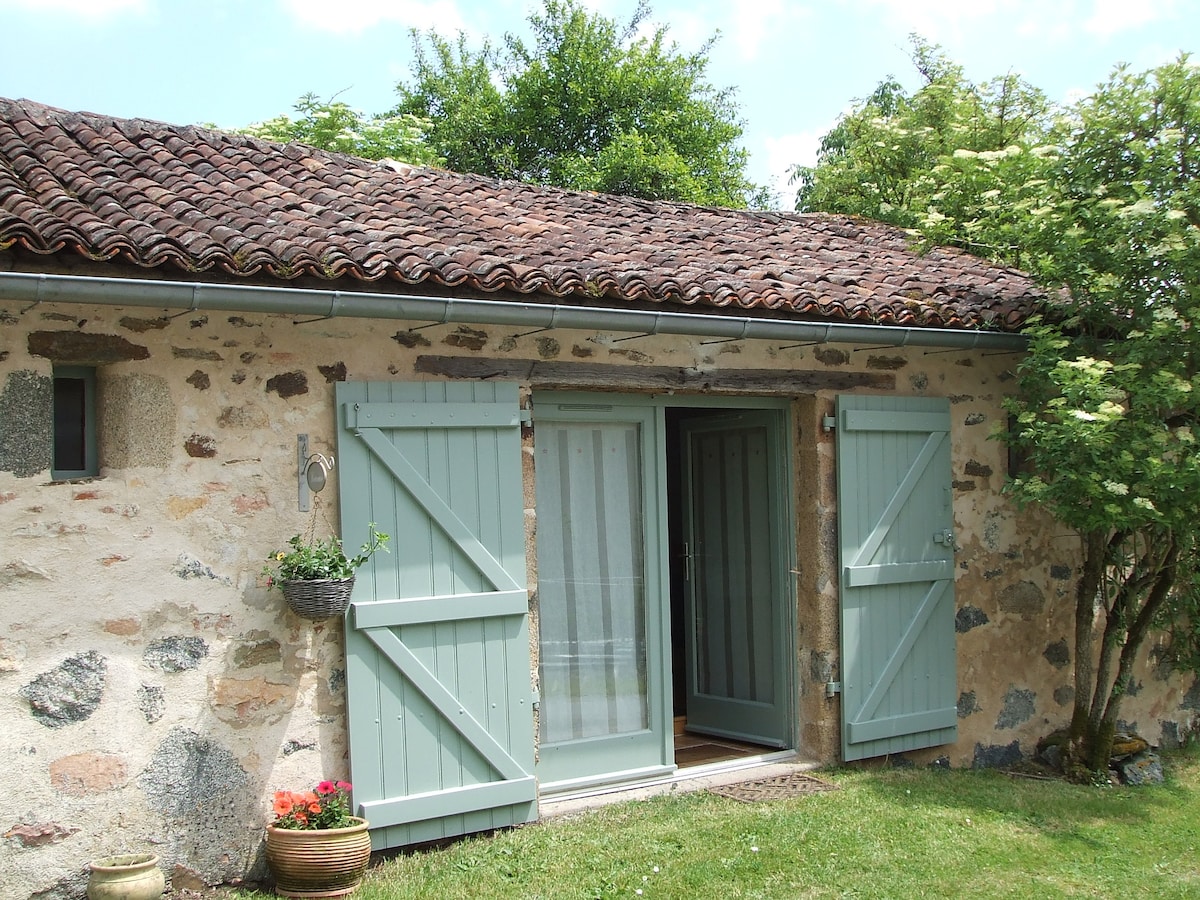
[{"x": 309, "y": 560}]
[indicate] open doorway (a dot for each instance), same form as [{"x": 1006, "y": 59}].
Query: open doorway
[
  {"x": 663, "y": 550},
  {"x": 728, "y": 525}
]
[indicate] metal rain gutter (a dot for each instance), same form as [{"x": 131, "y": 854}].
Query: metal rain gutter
[{"x": 42, "y": 288}]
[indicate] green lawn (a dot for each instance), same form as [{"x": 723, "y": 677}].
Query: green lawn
[{"x": 899, "y": 833}]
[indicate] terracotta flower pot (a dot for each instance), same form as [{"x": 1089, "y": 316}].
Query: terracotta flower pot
[
  {"x": 130, "y": 876},
  {"x": 325, "y": 862}
]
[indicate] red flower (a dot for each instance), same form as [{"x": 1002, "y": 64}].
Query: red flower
[{"x": 328, "y": 806}]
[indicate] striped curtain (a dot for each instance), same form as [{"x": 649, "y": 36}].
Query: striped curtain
[{"x": 591, "y": 582}]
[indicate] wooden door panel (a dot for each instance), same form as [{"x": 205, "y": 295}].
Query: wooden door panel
[{"x": 736, "y": 680}]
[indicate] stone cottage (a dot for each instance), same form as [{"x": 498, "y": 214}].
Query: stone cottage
[{"x": 659, "y": 478}]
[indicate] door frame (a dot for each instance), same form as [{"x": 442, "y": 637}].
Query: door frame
[{"x": 783, "y": 457}]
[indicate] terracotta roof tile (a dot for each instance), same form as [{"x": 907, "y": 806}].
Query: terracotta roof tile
[{"x": 191, "y": 200}]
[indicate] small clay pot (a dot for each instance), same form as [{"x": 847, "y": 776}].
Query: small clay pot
[{"x": 129, "y": 876}]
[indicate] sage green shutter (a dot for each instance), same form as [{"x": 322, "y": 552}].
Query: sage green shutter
[
  {"x": 437, "y": 644},
  {"x": 899, "y": 686}
]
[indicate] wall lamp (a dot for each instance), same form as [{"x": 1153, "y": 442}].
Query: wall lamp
[{"x": 312, "y": 472}]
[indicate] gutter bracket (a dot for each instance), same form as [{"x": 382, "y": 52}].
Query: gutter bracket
[
  {"x": 335, "y": 305},
  {"x": 38, "y": 296},
  {"x": 303, "y": 495},
  {"x": 740, "y": 337},
  {"x": 195, "y": 307}
]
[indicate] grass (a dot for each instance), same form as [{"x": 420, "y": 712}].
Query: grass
[{"x": 887, "y": 833}]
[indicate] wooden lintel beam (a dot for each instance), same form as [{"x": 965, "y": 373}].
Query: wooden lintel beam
[{"x": 561, "y": 375}]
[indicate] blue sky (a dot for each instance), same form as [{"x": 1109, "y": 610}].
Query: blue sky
[{"x": 796, "y": 64}]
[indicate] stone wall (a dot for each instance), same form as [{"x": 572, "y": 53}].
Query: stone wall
[{"x": 154, "y": 693}]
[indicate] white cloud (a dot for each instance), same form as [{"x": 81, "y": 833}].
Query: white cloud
[
  {"x": 787, "y": 150},
  {"x": 784, "y": 151},
  {"x": 1110, "y": 18},
  {"x": 754, "y": 26},
  {"x": 745, "y": 29},
  {"x": 87, "y": 9},
  {"x": 355, "y": 16},
  {"x": 949, "y": 21},
  {"x": 941, "y": 21}
]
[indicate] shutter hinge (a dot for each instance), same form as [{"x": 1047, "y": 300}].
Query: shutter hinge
[
  {"x": 527, "y": 417},
  {"x": 536, "y": 699},
  {"x": 829, "y": 423},
  {"x": 832, "y": 689}
]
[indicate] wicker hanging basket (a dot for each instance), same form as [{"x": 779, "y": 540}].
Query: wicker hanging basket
[{"x": 318, "y": 598}]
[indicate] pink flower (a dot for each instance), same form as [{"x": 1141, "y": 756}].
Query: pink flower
[
  {"x": 344, "y": 786},
  {"x": 326, "y": 787}
]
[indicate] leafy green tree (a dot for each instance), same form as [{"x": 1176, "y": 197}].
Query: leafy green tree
[
  {"x": 1100, "y": 202},
  {"x": 877, "y": 160},
  {"x": 335, "y": 126},
  {"x": 1110, "y": 397},
  {"x": 588, "y": 104}
]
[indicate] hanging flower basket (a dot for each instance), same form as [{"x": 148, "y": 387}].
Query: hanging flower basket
[
  {"x": 318, "y": 598},
  {"x": 316, "y": 577}
]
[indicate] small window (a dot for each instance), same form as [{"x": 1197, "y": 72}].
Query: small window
[{"x": 75, "y": 453}]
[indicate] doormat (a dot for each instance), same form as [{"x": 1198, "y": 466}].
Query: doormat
[{"x": 779, "y": 787}]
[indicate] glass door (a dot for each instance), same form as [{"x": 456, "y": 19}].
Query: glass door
[{"x": 601, "y": 593}]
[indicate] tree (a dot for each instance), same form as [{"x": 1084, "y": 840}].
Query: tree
[
  {"x": 1110, "y": 397},
  {"x": 335, "y": 126},
  {"x": 877, "y": 160},
  {"x": 1100, "y": 202},
  {"x": 588, "y": 105}
]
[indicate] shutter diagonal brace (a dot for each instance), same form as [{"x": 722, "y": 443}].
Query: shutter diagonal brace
[
  {"x": 892, "y": 668},
  {"x": 866, "y": 551},
  {"x": 445, "y": 702},
  {"x": 438, "y": 509}
]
